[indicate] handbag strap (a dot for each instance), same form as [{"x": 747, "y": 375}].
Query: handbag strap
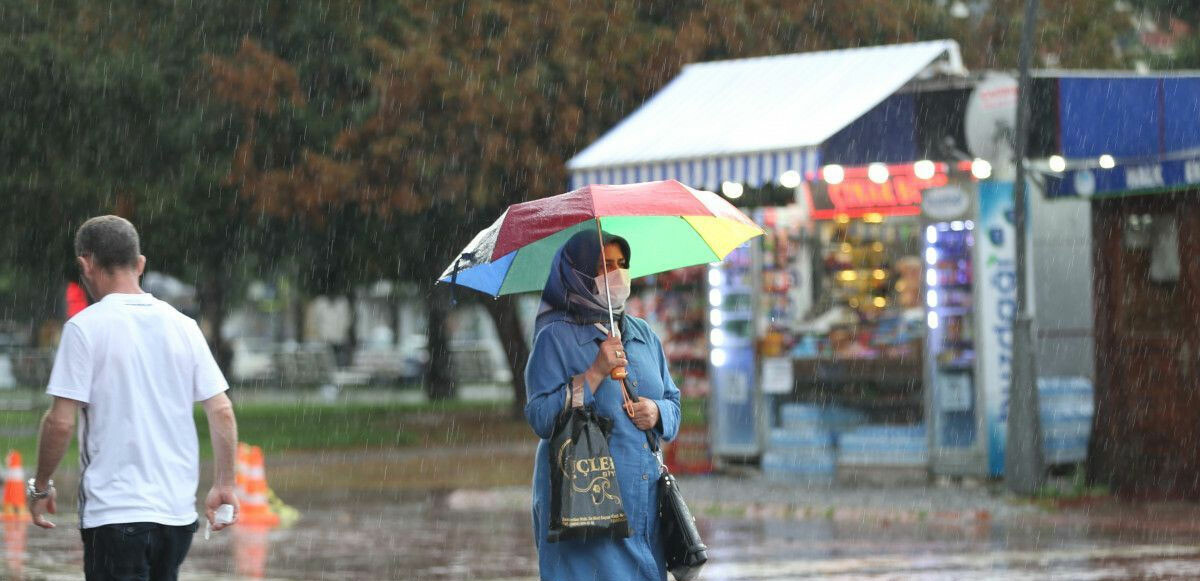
[
  {"x": 651, "y": 440},
  {"x": 627, "y": 400}
]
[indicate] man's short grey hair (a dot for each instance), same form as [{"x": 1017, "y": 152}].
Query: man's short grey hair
[{"x": 110, "y": 241}]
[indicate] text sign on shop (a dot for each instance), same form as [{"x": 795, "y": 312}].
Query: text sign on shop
[
  {"x": 1127, "y": 177},
  {"x": 899, "y": 195},
  {"x": 777, "y": 375},
  {"x": 945, "y": 203}
]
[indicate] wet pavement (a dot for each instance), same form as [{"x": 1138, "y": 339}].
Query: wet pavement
[{"x": 484, "y": 534}]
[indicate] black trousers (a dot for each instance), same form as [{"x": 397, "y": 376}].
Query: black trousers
[{"x": 140, "y": 551}]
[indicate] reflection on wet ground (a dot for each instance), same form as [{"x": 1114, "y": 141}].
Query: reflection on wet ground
[{"x": 485, "y": 535}]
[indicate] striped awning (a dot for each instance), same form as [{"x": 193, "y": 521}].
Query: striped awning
[
  {"x": 708, "y": 173},
  {"x": 752, "y": 120}
]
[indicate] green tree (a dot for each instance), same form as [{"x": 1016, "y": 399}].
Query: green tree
[
  {"x": 1186, "y": 54},
  {"x": 346, "y": 141},
  {"x": 479, "y": 105}
]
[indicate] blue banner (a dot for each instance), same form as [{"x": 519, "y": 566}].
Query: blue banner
[{"x": 1126, "y": 178}]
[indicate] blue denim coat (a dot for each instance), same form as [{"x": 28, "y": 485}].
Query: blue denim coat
[{"x": 561, "y": 350}]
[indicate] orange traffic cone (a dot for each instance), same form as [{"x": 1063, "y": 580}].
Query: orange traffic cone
[
  {"x": 14, "y": 489},
  {"x": 243, "y": 464},
  {"x": 256, "y": 510},
  {"x": 14, "y": 548},
  {"x": 251, "y": 547}
]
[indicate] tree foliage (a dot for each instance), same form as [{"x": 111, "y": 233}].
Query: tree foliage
[{"x": 345, "y": 141}]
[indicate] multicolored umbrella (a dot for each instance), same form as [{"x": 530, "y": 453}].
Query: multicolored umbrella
[{"x": 667, "y": 224}]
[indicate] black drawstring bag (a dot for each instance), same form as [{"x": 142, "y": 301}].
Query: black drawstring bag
[{"x": 585, "y": 499}]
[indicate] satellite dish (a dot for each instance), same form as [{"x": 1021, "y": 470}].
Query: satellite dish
[{"x": 991, "y": 119}]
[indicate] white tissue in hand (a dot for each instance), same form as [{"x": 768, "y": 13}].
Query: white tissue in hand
[{"x": 225, "y": 514}]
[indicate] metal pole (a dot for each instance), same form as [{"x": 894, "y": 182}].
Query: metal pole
[
  {"x": 612, "y": 325},
  {"x": 1023, "y": 468}
]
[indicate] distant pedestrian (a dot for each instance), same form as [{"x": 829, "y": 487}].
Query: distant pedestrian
[
  {"x": 573, "y": 354},
  {"x": 132, "y": 368}
]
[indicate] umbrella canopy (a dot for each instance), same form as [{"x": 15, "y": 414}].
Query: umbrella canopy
[{"x": 667, "y": 224}]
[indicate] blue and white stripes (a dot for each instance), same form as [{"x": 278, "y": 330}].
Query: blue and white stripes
[{"x": 753, "y": 169}]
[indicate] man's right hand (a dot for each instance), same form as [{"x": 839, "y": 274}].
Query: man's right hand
[
  {"x": 39, "y": 508},
  {"x": 217, "y": 496}
]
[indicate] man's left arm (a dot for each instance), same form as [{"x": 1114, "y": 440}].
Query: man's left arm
[{"x": 53, "y": 439}]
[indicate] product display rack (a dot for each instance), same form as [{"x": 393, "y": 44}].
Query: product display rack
[
  {"x": 678, "y": 315},
  {"x": 950, "y": 317}
]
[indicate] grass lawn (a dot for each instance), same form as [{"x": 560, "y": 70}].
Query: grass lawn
[
  {"x": 312, "y": 447},
  {"x": 278, "y": 427},
  {"x": 310, "y": 427}
]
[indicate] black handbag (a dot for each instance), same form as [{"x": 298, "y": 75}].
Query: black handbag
[{"x": 684, "y": 551}]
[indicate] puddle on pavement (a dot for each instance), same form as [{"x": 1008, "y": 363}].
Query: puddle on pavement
[{"x": 467, "y": 534}]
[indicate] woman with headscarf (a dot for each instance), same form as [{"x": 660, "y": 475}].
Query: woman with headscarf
[{"x": 573, "y": 356}]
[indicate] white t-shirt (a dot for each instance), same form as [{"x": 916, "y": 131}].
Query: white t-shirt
[{"x": 138, "y": 366}]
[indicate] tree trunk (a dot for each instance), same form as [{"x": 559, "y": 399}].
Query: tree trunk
[
  {"x": 439, "y": 380},
  {"x": 516, "y": 349},
  {"x": 213, "y": 309},
  {"x": 299, "y": 306},
  {"x": 397, "y": 305},
  {"x": 352, "y": 338}
]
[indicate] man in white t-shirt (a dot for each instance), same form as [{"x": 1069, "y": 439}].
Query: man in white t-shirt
[{"x": 132, "y": 368}]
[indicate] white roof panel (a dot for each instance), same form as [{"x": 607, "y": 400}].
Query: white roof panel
[{"x": 776, "y": 105}]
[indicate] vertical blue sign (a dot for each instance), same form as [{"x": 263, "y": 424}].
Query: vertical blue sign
[{"x": 997, "y": 288}]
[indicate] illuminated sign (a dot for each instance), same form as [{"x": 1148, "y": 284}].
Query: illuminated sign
[{"x": 857, "y": 195}]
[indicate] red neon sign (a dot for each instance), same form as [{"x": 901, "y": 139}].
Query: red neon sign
[{"x": 856, "y": 195}]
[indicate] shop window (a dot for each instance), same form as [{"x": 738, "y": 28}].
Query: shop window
[
  {"x": 1148, "y": 270},
  {"x": 1157, "y": 234}
]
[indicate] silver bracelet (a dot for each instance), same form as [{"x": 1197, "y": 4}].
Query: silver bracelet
[{"x": 35, "y": 494}]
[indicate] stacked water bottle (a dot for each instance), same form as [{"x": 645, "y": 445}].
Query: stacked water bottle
[
  {"x": 804, "y": 447},
  {"x": 1066, "y": 405},
  {"x": 884, "y": 446},
  {"x": 813, "y": 441}
]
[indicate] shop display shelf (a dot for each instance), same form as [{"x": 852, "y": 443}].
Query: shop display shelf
[
  {"x": 874, "y": 404},
  {"x": 957, "y": 367},
  {"x": 877, "y": 371}
]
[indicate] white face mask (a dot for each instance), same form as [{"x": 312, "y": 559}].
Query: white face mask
[{"x": 618, "y": 287}]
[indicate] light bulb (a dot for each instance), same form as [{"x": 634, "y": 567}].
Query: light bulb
[
  {"x": 877, "y": 172},
  {"x": 789, "y": 179},
  {"x": 924, "y": 169},
  {"x": 833, "y": 174},
  {"x": 981, "y": 169}
]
